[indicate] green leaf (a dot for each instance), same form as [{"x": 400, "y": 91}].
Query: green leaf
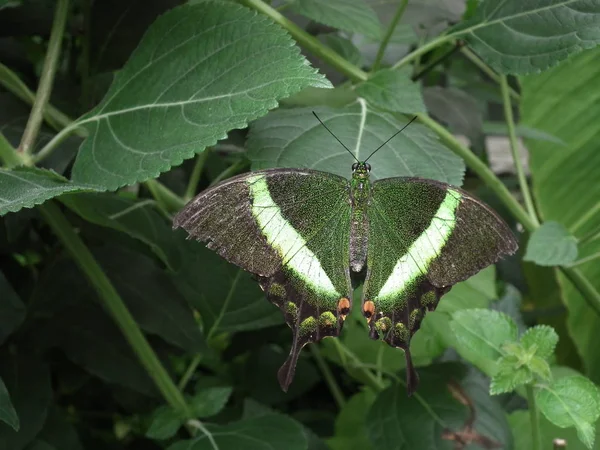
[
  {"x": 200, "y": 71},
  {"x": 273, "y": 431},
  {"x": 480, "y": 335},
  {"x": 565, "y": 101},
  {"x": 28, "y": 382},
  {"x": 348, "y": 15},
  {"x": 59, "y": 431},
  {"x": 345, "y": 48},
  {"x": 540, "y": 368},
  {"x": 501, "y": 129},
  {"x": 510, "y": 374},
  {"x": 551, "y": 245},
  {"x": 165, "y": 424},
  {"x": 392, "y": 90},
  {"x": 25, "y": 187},
  {"x": 12, "y": 309},
  {"x": 541, "y": 337},
  {"x": 517, "y": 37},
  {"x": 437, "y": 412},
  {"x": 138, "y": 219},
  {"x": 572, "y": 401},
  {"x": 8, "y": 414},
  {"x": 351, "y": 423},
  {"x": 294, "y": 138},
  {"x": 210, "y": 401}
]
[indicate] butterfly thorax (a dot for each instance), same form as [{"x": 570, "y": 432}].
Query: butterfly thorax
[{"x": 360, "y": 194}]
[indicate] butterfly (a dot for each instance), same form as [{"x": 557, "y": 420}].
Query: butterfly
[{"x": 309, "y": 236}]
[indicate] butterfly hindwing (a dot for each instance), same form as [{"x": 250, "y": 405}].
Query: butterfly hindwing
[
  {"x": 424, "y": 237},
  {"x": 291, "y": 229}
]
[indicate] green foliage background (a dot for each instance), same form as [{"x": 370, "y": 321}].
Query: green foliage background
[{"x": 118, "y": 333}]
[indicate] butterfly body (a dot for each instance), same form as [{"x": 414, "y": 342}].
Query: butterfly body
[{"x": 303, "y": 233}]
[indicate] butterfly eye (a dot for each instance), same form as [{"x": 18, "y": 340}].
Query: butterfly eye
[
  {"x": 354, "y": 167},
  {"x": 368, "y": 166}
]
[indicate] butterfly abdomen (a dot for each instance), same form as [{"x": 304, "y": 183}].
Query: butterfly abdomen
[{"x": 360, "y": 191}]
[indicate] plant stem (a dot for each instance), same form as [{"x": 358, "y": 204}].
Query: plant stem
[
  {"x": 46, "y": 80},
  {"x": 514, "y": 147},
  {"x": 585, "y": 260},
  {"x": 482, "y": 170},
  {"x": 309, "y": 42},
  {"x": 231, "y": 170},
  {"x": 12, "y": 83},
  {"x": 8, "y": 155},
  {"x": 192, "y": 186},
  {"x": 583, "y": 285},
  {"x": 422, "y": 50},
  {"x": 114, "y": 304},
  {"x": 388, "y": 34},
  {"x": 471, "y": 56},
  {"x": 375, "y": 383},
  {"x": 189, "y": 372},
  {"x": 336, "y": 392},
  {"x": 165, "y": 197},
  {"x": 47, "y": 149},
  {"x": 535, "y": 422}
]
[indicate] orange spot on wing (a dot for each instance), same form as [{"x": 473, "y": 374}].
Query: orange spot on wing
[
  {"x": 343, "y": 307},
  {"x": 368, "y": 309}
]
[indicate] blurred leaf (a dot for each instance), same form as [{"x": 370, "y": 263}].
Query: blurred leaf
[
  {"x": 351, "y": 423},
  {"x": 9, "y": 3},
  {"x": 348, "y": 15},
  {"x": 12, "y": 309},
  {"x": 59, "y": 432},
  {"x": 180, "y": 91},
  {"x": 456, "y": 108},
  {"x": 572, "y": 401},
  {"x": 26, "y": 187},
  {"x": 480, "y": 335},
  {"x": 269, "y": 431},
  {"x": 541, "y": 337},
  {"x": 565, "y": 101},
  {"x": 209, "y": 402},
  {"x": 337, "y": 97},
  {"x": 500, "y": 128},
  {"x": 551, "y": 245},
  {"x": 165, "y": 423},
  {"x": 41, "y": 445},
  {"x": 28, "y": 382},
  {"x": 294, "y": 138},
  {"x": 8, "y": 414},
  {"x": 392, "y": 90},
  {"x": 517, "y": 37},
  {"x": 447, "y": 406},
  {"x": 344, "y": 47}
]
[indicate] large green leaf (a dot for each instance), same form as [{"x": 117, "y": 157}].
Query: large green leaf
[
  {"x": 28, "y": 382},
  {"x": 8, "y": 414},
  {"x": 348, "y": 15},
  {"x": 12, "y": 309},
  {"x": 26, "y": 187},
  {"x": 294, "y": 138},
  {"x": 200, "y": 71},
  {"x": 514, "y": 36},
  {"x": 437, "y": 412},
  {"x": 392, "y": 90},
  {"x": 272, "y": 431},
  {"x": 551, "y": 245},
  {"x": 351, "y": 423},
  {"x": 565, "y": 101}
]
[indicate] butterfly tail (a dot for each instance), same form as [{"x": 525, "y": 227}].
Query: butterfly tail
[
  {"x": 412, "y": 377},
  {"x": 286, "y": 372}
]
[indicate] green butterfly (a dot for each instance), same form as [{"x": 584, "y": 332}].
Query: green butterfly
[{"x": 307, "y": 235}]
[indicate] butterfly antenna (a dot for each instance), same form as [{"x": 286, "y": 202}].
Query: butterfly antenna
[
  {"x": 395, "y": 134},
  {"x": 336, "y": 138}
]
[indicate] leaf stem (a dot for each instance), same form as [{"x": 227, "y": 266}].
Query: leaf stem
[
  {"x": 309, "y": 42},
  {"x": 583, "y": 285},
  {"x": 336, "y": 392},
  {"x": 114, "y": 304},
  {"x": 585, "y": 260},
  {"x": 482, "y": 170},
  {"x": 192, "y": 186},
  {"x": 230, "y": 171},
  {"x": 12, "y": 83},
  {"x": 374, "y": 382},
  {"x": 47, "y": 149},
  {"x": 189, "y": 372},
  {"x": 491, "y": 73},
  {"x": 46, "y": 80},
  {"x": 514, "y": 147},
  {"x": 165, "y": 197},
  {"x": 535, "y": 421},
  {"x": 388, "y": 34},
  {"x": 8, "y": 155},
  {"x": 422, "y": 50}
]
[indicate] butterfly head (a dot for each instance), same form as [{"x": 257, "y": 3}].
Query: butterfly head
[{"x": 361, "y": 170}]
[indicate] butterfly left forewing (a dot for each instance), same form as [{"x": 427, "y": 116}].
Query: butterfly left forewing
[{"x": 424, "y": 237}]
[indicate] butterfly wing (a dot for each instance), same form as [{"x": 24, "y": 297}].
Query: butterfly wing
[
  {"x": 291, "y": 229},
  {"x": 424, "y": 237}
]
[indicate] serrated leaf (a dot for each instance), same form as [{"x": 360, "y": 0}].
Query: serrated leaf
[
  {"x": 572, "y": 401},
  {"x": 209, "y": 402},
  {"x": 8, "y": 414},
  {"x": 540, "y": 368},
  {"x": 551, "y": 245},
  {"x": 294, "y": 138},
  {"x": 519, "y": 37},
  {"x": 272, "y": 431},
  {"x": 12, "y": 309},
  {"x": 348, "y": 15},
  {"x": 480, "y": 335},
  {"x": 165, "y": 423},
  {"x": 200, "y": 71},
  {"x": 392, "y": 90},
  {"x": 25, "y": 187},
  {"x": 543, "y": 337},
  {"x": 509, "y": 375}
]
